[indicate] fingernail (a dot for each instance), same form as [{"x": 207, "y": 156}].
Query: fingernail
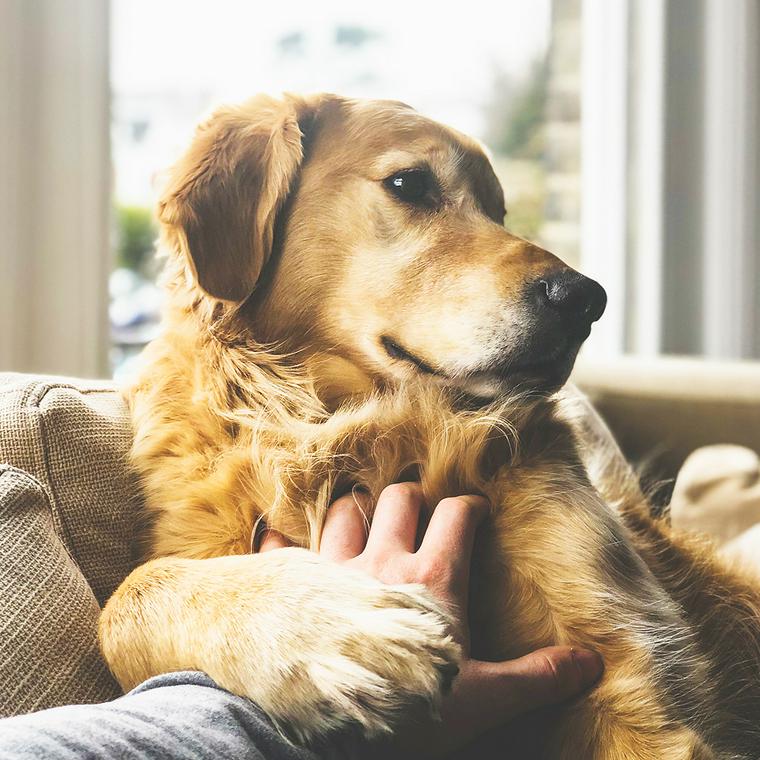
[
  {"x": 589, "y": 664},
  {"x": 257, "y": 534},
  {"x": 360, "y": 494}
]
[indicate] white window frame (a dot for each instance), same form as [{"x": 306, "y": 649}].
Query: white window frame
[{"x": 670, "y": 174}]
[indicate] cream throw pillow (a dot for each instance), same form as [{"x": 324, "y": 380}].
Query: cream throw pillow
[{"x": 718, "y": 492}]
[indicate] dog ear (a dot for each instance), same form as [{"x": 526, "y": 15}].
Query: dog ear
[{"x": 220, "y": 205}]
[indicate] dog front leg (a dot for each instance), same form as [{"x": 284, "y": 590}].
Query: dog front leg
[{"x": 317, "y": 646}]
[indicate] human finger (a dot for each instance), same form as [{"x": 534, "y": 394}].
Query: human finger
[
  {"x": 451, "y": 533},
  {"x": 344, "y": 534},
  {"x": 544, "y": 677},
  {"x": 271, "y": 539},
  {"x": 394, "y": 523}
]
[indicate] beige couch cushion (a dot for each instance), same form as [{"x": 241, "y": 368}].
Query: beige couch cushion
[
  {"x": 661, "y": 409},
  {"x": 718, "y": 492},
  {"x": 67, "y": 506}
]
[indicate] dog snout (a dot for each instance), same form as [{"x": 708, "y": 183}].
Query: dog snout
[{"x": 571, "y": 295}]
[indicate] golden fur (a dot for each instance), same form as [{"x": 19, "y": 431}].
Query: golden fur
[{"x": 268, "y": 394}]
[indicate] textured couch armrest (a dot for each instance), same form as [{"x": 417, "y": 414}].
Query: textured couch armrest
[
  {"x": 67, "y": 510},
  {"x": 48, "y": 613},
  {"x": 73, "y": 437}
]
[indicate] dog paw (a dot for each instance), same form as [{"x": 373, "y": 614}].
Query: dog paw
[{"x": 348, "y": 651}]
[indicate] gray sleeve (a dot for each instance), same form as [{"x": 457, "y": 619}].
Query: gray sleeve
[{"x": 170, "y": 717}]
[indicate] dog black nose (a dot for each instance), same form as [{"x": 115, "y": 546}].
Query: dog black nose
[{"x": 572, "y": 295}]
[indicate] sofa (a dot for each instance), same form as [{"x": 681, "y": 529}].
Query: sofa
[{"x": 69, "y": 504}]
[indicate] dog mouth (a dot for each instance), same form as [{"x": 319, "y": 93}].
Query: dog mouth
[
  {"x": 539, "y": 367},
  {"x": 524, "y": 371},
  {"x": 395, "y": 351},
  {"x": 546, "y": 375}
]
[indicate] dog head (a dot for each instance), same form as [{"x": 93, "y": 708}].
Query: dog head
[{"x": 370, "y": 239}]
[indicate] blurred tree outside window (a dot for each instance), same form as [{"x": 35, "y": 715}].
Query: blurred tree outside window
[
  {"x": 515, "y": 133},
  {"x": 135, "y": 301},
  {"x": 136, "y": 237}
]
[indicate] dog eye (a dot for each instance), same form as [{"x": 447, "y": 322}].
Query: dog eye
[{"x": 411, "y": 185}]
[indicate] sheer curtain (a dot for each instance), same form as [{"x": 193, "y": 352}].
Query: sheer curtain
[{"x": 54, "y": 186}]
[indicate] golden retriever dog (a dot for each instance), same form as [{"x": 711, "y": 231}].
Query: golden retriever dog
[{"x": 346, "y": 309}]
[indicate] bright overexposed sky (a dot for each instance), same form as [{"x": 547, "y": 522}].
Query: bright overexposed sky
[
  {"x": 173, "y": 60},
  {"x": 434, "y": 55}
]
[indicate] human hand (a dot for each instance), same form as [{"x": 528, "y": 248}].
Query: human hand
[{"x": 484, "y": 695}]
